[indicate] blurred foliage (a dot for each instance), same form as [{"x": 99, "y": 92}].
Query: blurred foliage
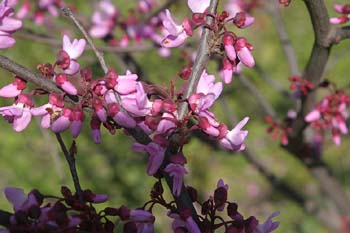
[{"x": 32, "y": 159}]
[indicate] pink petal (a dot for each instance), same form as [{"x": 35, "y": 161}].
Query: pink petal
[
  {"x": 9, "y": 91},
  {"x": 10, "y": 24},
  {"x": 6, "y": 42},
  {"x": 246, "y": 57},
  {"x": 230, "y": 52},
  {"x": 124, "y": 120},
  {"x": 69, "y": 88},
  {"x": 21, "y": 122},
  {"x": 73, "y": 68},
  {"x": 76, "y": 128},
  {"x": 60, "y": 125},
  {"x": 198, "y": 6},
  {"x": 314, "y": 115}
]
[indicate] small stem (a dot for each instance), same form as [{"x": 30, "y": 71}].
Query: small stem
[
  {"x": 71, "y": 162},
  {"x": 99, "y": 56}
]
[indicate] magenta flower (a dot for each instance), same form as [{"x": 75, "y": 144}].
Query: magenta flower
[
  {"x": 268, "y": 226},
  {"x": 237, "y": 9},
  {"x": 234, "y": 139},
  {"x": 19, "y": 113},
  {"x": 77, "y": 118},
  {"x": 126, "y": 84},
  {"x": 120, "y": 117},
  {"x": 50, "y": 6},
  {"x": 198, "y": 6},
  {"x": 156, "y": 155},
  {"x": 8, "y": 25},
  {"x": 177, "y": 34},
  {"x": 243, "y": 52},
  {"x": 206, "y": 85},
  {"x": 95, "y": 125},
  {"x": 67, "y": 86},
  {"x": 13, "y": 89},
  {"x": 177, "y": 171}
]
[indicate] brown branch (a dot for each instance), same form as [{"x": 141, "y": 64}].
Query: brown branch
[
  {"x": 314, "y": 70},
  {"x": 342, "y": 34},
  {"x": 71, "y": 163}
]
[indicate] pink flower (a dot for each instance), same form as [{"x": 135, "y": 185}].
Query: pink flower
[
  {"x": 198, "y": 6},
  {"x": 68, "y": 87},
  {"x": 13, "y": 89},
  {"x": 268, "y": 226},
  {"x": 243, "y": 52},
  {"x": 342, "y": 9},
  {"x": 103, "y": 19},
  {"x": 95, "y": 125},
  {"x": 8, "y": 25},
  {"x": 156, "y": 155},
  {"x": 54, "y": 106},
  {"x": 221, "y": 184},
  {"x": 137, "y": 103},
  {"x": 206, "y": 85},
  {"x": 177, "y": 171},
  {"x": 74, "y": 50},
  {"x": 50, "y": 6},
  {"x": 126, "y": 84},
  {"x": 177, "y": 34},
  {"x": 237, "y": 9},
  {"x": 120, "y": 117},
  {"x": 77, "y": 118},
  {"x": 19, "y": 113},
  {"x": 234, "y": 139}
]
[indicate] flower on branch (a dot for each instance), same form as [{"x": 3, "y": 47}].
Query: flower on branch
[{"x": 8, "y": 25}]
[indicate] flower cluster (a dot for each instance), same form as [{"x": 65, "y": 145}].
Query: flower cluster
[
  {"x": 8, "y": 25},
  {"x": 344, "y": 10},
  {"x": 331, "y": 114},
  {"x": 301, "y": 86},
  {"x": 280, "y": 130}
]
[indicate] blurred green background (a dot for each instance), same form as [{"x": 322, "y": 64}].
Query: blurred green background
[{"x": 32, "y": 159}]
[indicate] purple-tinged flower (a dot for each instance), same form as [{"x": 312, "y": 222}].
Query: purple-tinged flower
[
  {"x": 77, "y": 118},
  {"x": 95, "y": 125},
  {"x": 268, "y": 226},
  {"x": 198, "y": 6},
  {"x": 19, "y": 113},
  {"x": 228, "y": 41},
  {"x": 143, "y": 219},
  {"x": 63, "y": 122},
  {"x": 187, "y": 223},
  {"x": 177, "y": 171},
  {"x": 177, "y": 34},
  {"x": 156, "y": 155},
  {"x": 8, "y": 25},
  {"x": 99, "y": 109},
  {"x": 13, "y": 89},
  {"x": 221, "y": 184},
  {"x": 121, "y": 118},
  {"x": 19, "y": 200},
  {"x": 103, "y": 19},
  {"x": 234, "y": 139},
  {"x": 145, "y": 6},
  {"x": 50, "y": 6}
]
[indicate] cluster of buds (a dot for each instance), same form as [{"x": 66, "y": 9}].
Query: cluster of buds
[
  {"x": 344, "y": 10},
  {"x": 8, "y": 25},
  {"x": 301, "y": 86},
  {"x": 279, "y": 130},
  {"x": 331, "y": 114}
]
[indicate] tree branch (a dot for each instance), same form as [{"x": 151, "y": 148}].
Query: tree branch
[{"x": 71, "y": 162}]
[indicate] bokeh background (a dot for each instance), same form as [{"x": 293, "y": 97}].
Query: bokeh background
[{"x": 32, "y": 159}]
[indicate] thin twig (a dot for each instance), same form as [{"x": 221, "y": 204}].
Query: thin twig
[
  {"x": 99, "y": 56},
  {"x": 288, "y": 49},
  {"x": 71, "y": 162}
]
